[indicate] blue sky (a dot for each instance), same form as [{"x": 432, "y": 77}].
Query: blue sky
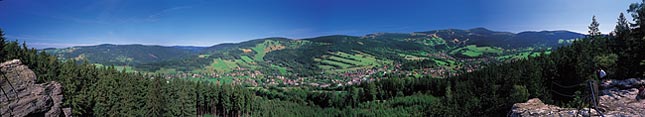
[{"x": 64, "y": 23}]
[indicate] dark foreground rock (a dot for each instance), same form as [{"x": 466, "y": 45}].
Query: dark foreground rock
[
  {"x": 618, "y": 99},
  {"x": 22, "y": 97}
]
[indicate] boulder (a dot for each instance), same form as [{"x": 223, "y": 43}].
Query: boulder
[{"x": 22, "y": 97}]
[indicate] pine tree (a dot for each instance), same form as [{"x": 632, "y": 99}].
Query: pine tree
[
  {"x": 153, "y": 104},
  {"x": 173, "y": 105},
  {"x": 102, "y": 94},
  {"x": 593, "y": 27},
  {"x": 249, "y": 98},
  {"x": 372, "y": 91},
  {"x": 187, "y": 99},
  {"x": 71, "y": 88},
  {"x": 354, "y": 96},
  {"x": 622, "y": 26},
  {"x": 622, "y": 32},
  {"x": 637, "y": 11},
  {"x": 214, "y": 98},
  {"x": 127, "y": 95},
  {"x": 141, "y": 88},
  {"x": 201, "y": 92},
  {"x": 43, "y": 67},
  {"x": 225, "y": 101},
  {"x": 204, "y": 93}
]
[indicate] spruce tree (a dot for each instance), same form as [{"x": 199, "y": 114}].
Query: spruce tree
[
  {"x": 372, "y": 91},
  {"x": 102, "y": 95},
  {"x": 225, "y": 96},
  {"x": 621, "y": 35},
  {"x": 173, "y": 105},
  {"x": 187, "y": 99},
  {"x": 140, "y": 87},
  {"x": 214, "y": 96},
  {"x": 593, "y": 27},
  {"x": 153, "y": 98},
  {"x": 638, "y": 13},
  {"x": 622, "y": 26}
]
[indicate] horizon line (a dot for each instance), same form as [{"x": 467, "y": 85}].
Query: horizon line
[{"x": 68, "y": 45}]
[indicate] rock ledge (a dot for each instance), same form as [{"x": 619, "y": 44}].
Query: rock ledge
[{"x": 27, "y": 98}]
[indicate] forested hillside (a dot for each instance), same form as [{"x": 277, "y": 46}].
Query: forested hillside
[
  {"x": 328, "y": 60},
  {"x": 109, "y": 54},
  {"x": 490, "y": 90}
]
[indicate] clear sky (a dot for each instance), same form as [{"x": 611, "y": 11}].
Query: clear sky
[{"x": 63, "y": 23}]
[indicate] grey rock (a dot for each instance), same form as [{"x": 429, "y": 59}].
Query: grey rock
[
  {"x": 622, "y": 84},
  {"x": 535, "y": 108},
  {"x": 22, "y": 97}
]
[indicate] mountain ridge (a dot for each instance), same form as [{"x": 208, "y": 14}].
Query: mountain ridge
[
  {"x": 472, "y": 29},
  {"x": 442, "y": 52}
]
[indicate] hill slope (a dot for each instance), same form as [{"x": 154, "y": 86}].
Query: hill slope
[
  {"x": 123, "y": 54},
  {"x": 438, "y": 53}
]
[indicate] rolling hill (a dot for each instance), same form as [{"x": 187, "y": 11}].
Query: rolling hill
[
  {"x": 109, "y": 54},
  {"x": 341, "y": 58}
]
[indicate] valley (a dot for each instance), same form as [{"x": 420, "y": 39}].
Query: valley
[{"x": 327, "y": 61}]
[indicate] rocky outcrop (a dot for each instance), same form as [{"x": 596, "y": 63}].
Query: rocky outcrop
[
  {"x": 22, "y": 97},
  {"x": 535, "y": 108},
  {"x": 618, "y": 98},
  {"x": 622, "y": 84}
]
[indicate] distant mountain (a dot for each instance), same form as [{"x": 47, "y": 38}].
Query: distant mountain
[
  {"x": 482, "y": 36},
  {"x": 124, "y": 54},
  {"x": 442, "y": 50},
  {"x": 191, "y": 48}
]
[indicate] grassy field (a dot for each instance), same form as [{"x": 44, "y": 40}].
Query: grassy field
[
  {"x": 222, "y": 66},
  {"x": 247, "y": 59},
  {"x": 336, "y": 63},
  {"x": 128, "y": 69},
  {"x": 264, "y": 47},
  {"x": 362, "y": 58},
  {"x": 259, "y": 49},
  {"x": 522, "y": 55},
  {"x": 326, "y": 67},
  {"x": 340, "y": 61},
  {"x": 474, "y": 51},
  {"x": 445, "y": 63},
  {"x": 434, "y": 41},
  {"x": 441, "y": 62}
]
